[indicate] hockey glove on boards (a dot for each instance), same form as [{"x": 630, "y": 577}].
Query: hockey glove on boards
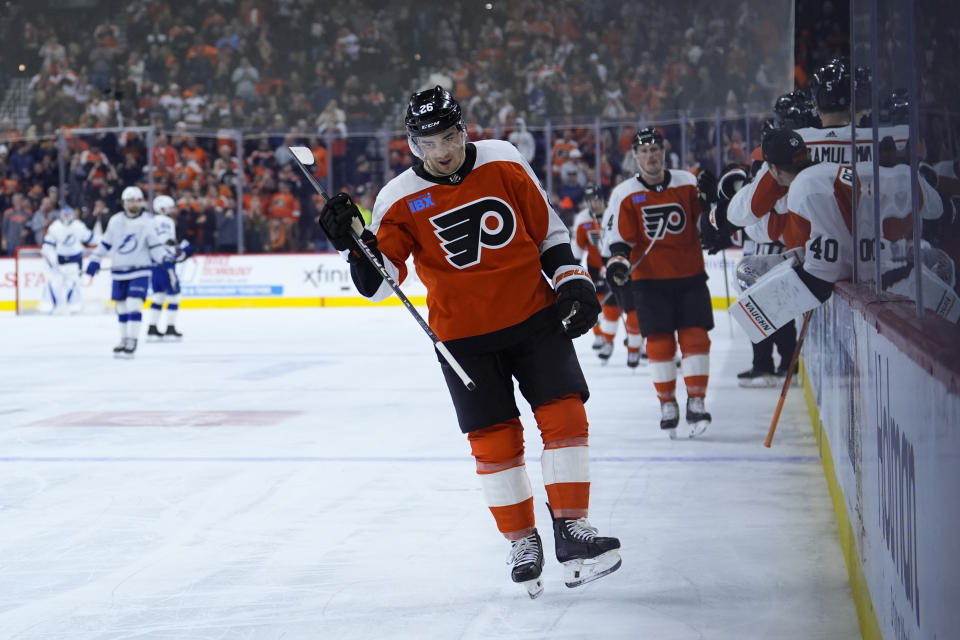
[
  {"x": 576, "y": 300},
  {"x": 338, "y": 216}
]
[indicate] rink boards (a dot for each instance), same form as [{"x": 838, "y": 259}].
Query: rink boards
[
  {"x": 283, "y": 280},
  {"x": 885, "y": 410}
]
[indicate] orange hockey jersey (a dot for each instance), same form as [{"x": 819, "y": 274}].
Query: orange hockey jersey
[
  {"x": 476, "y": 238},
  {"x": 587, "y": 236},
  {"x": 669, "y": 212}
]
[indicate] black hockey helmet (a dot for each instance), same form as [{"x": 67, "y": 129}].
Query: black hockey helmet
[
  {"x": 432, "y": 111},
  {"x": 830, "y": 86},
  {"x": 648, "y": 135},
  {"x": 784, "y": 147},
  {"x": 795, "y": 110},
  {"x": 788, "y": 101},
  {"x": 592, "y": 192}
]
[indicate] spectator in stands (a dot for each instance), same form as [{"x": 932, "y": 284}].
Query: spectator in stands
[
  {"x": 561, "y": 150},
  {"x": 332, "y": 119},
  {"x": 16, "y": 229},
  {"x": 244, "y": 79},
  {"x": 256, "y": 232},
  {"x": 43, "y": 215},
  {"x": 523, "y": 139},
  {"x": 227, "y": 230}
]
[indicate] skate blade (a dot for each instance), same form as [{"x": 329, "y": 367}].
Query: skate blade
[
  {"x": 154, "y": 339},
  {"x": 697, "y": 428},
  {"x": 123, "y": 356},
  {"x": 672, "y": 433},
  {"x": 580, "y": 572},
  {"x": 534, "y": 587},
  {"x": 758, "y": 383}
]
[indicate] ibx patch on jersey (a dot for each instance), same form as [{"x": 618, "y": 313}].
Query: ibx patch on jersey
[
  {"x": 419, "y": 204},
  {"x": 464, "y": 231}
]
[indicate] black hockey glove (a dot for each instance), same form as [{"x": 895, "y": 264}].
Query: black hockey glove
[
  {"x": 618, "y": 270},
  {"x": 576, "y": 300},
  {"x": 338, "y": 216},
  {"x": 715, "y": 239},
  {"x": 730, "y": 182},
  {"x": 707, "y": 189}
]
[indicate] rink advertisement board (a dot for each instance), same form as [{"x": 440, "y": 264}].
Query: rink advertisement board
[
  {"x": 283, "y": 280},
  {"x": 211, "y": 281},
  {"x": 893, "y": 431}
]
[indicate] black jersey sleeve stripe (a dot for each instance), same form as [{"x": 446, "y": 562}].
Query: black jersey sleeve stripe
[{"x": 555, "y": 257}]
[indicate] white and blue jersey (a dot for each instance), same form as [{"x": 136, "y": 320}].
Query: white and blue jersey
[
  {"x": 63, "y": 243},
  {"x": 164, "y": 278},
  {"x": 165, "y": 226},
  {"x": 134, "y": 246}
]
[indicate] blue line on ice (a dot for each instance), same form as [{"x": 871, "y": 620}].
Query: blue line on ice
[{"x": 600, "y": 459}]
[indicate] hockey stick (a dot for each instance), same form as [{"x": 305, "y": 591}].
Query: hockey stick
[
  {"x": 303, "y": 157},
  {"x": 787, "y": 380},
  {"x": 646, "y": 252},
  {"x": 726, "y": 286}
]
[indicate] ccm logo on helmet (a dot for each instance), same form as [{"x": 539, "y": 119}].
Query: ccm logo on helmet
[{"x": 489, "y": 222}]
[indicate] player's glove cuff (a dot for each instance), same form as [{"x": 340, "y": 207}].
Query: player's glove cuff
[
  {"x": 93, "y": 267},
  {"x": 368, "y": 238},
  {"x": 569, "y": 272}
]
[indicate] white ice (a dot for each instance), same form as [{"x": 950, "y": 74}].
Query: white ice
[{"x": 359, "y": 514}]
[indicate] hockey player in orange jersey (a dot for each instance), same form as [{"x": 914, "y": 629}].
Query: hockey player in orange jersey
[
  {"x": 585, "y": 244},
  {"x": 587, "y": 239},
  {"x": 652, "y": 219},
  {"x": 483, "y": 235}
]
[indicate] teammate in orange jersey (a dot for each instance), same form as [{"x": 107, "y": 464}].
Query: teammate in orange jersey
[
  {"x": 482, "y": 235},
  {"x": 586, "y": 243},
  {"x": 652, "y": 219},
  {"x": 587, "y": 239}
]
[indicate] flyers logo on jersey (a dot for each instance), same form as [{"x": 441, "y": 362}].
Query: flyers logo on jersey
[
  {"x": 488, "y": 222},
  {"x": 661, "y": 219}
]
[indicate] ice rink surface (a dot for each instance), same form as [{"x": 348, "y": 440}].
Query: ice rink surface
[{"x": 298, "y": 473}]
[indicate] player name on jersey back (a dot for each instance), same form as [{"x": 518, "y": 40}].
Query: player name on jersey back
[{"x": 832, "y": 144}]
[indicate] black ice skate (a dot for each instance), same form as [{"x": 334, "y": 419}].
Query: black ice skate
[
  {"x": 633, "y": 359},
  {"x": 173, "y": 333},
  {"x": 698, "y": 419},
  {"x": 756, "y": 378},
  {"x": 670, "y": 417},
  {"x": 118, "y": 350},
  {"x": 153, "y": 334},
  {"x": 781, "y": 374},
  {"x": 598, "y": 341},
  {"x": 526, "y": 558},
  {"x": 606, "y": 350},
  {"x": 129, "y": 347},
  {"x": 584, "y": 555}
]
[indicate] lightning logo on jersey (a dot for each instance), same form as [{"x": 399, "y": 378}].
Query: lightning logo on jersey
[
  {"x": 129, "y": 244},
  {"x": 464, "y": 231}
]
